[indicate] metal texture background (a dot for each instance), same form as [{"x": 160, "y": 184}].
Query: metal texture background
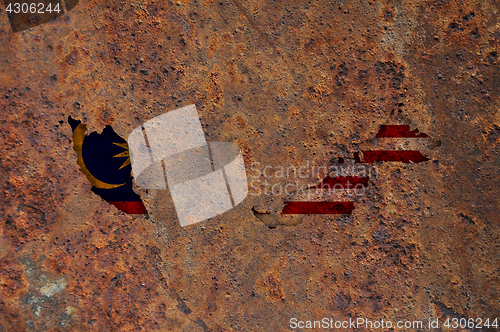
[{"x": 288, "y": 81}]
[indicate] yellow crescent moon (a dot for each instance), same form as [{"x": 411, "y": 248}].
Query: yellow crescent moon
[{"x": 78, "y": 136}]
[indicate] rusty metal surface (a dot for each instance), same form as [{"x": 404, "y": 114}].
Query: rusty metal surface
[{"x": 289, "y": 82}]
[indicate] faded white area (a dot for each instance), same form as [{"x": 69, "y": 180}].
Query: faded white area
[
  {"x": 54, "y": 288},
  {"x": 235, "y": 171},
  {"x": 201, "y": 198},
  {"x": 174, "y": 132},
  {"x": 204, "y": 179}
]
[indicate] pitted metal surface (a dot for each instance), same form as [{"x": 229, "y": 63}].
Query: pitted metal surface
[{"x": 289, "y": 82}]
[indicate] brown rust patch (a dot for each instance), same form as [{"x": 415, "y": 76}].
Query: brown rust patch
[
  {"x": 271, "y": 287},
  {"x": 289, "y": 82}
]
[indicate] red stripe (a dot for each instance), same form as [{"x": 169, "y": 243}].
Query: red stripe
[
  {"x": 398, "y": 131},
  {"x": 344, "y": 181},
  {"x": 318, "y": 208},
  {"x": 131, "y": 207},
  {"x": 404, "y": 156}
]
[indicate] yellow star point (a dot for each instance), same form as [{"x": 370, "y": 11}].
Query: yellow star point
[{"x": 123, "y": 154}]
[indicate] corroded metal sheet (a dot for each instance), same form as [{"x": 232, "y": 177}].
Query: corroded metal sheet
[{"x": 292, "y": 83}]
